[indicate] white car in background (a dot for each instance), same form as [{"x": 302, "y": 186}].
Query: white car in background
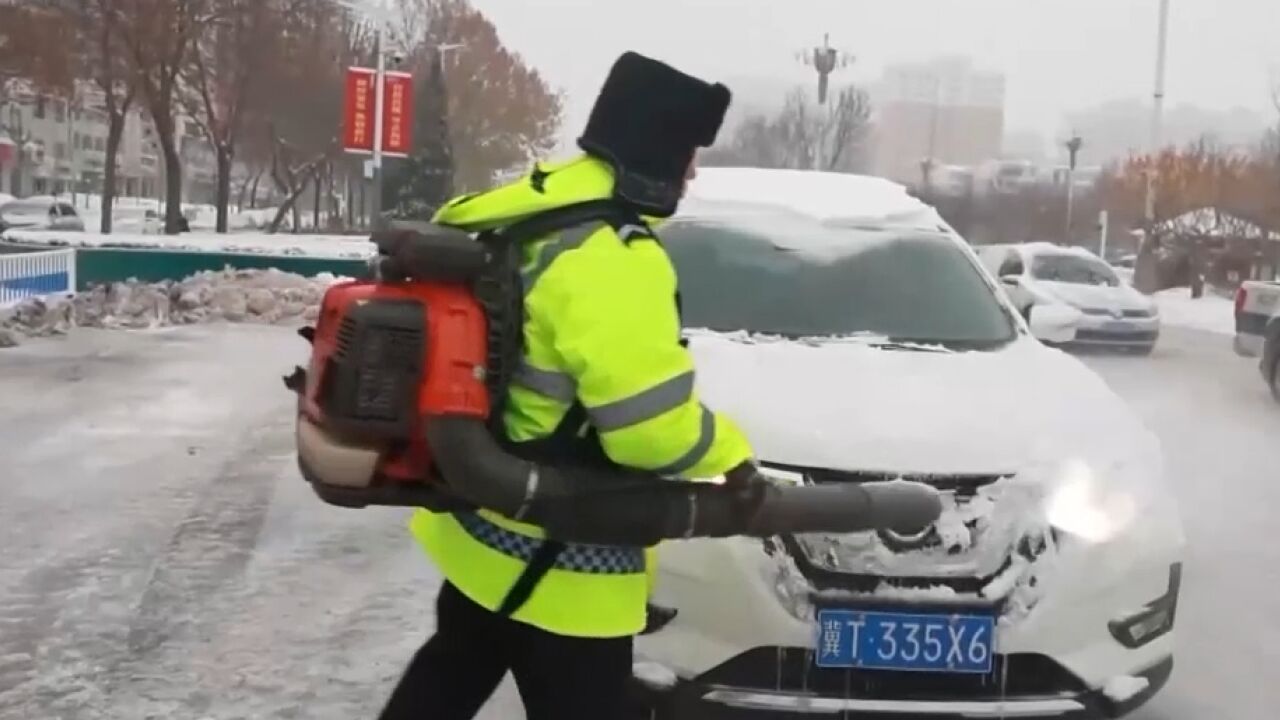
[
  {"x": 1114, "y": 314},
  {"x": 40, "y": 213},
  {"x": 856, "y": 338}
]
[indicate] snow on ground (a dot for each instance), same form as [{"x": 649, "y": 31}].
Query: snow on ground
[
  {"x": 1210, "y": 313},
  {"x": 164, "y": 559},
  {"x": 1218, "y": 425},
  {"x": 129, "y": 214},
  {"x": 324, "y": 246}
]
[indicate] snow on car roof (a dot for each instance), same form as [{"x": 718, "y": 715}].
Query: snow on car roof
[
  {"x": 33, "y": 201},
  {"x": 827, "y": 197},
  {"x": 1045, "y": 248}
]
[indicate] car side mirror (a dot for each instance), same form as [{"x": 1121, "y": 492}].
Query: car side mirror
[
  {"x": 1011, "y": 280},
  {"x": 1055, "y": 323}
]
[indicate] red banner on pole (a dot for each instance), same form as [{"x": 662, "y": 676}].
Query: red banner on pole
[
  {"x": 397, "y": 117},
  {"x": 359, "y": 112}
]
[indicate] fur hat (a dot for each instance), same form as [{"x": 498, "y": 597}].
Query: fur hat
[{"x": 648, "y": 122}]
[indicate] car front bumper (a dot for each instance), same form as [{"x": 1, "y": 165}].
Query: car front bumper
[
  {"x": 871, "y": 698},
  {"x": 1100, "y": 330},
  {"x": 733, "y": 651}
]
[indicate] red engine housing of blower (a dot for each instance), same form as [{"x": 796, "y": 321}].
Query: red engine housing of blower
[{"x": 386, "y": 358}]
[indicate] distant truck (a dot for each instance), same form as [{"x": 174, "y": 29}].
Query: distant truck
[{"x": 1258, "y": 328}]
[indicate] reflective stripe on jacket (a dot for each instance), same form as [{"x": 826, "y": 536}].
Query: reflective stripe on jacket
[{"x": 601, "y": 328}]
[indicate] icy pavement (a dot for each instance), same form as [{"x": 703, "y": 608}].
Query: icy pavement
[
  {"x": 160, "y": 557},
  {"x": 1221, "y": 435},
  {"x": 1209, "y": 313}
]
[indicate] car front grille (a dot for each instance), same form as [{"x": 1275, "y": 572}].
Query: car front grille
[
  {"x": 793, "y": 670},
  {"x": 1084, "y": 335},
  {"x": 811, "y": 554}
]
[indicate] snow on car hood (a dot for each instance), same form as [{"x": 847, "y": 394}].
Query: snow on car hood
[
  {"x": 1102, "y": 297},
  {"x": 1065, "y": 446},
  {"x": 851, "y": 406}
]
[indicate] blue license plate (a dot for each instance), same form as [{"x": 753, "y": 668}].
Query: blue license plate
[{"x": 900, "y": 641}]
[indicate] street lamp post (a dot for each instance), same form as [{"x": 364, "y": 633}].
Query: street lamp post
[
  {"x": 1073, "y": 152},
  {"x": 1157, "y": 112},
  {"x": 826, "y": 60},
  {"x": 379, "y": 82}
]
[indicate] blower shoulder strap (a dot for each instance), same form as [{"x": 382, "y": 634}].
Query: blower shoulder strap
[
  {"x": 538, "y": 226},
  {"x": 563, "y": 218}
]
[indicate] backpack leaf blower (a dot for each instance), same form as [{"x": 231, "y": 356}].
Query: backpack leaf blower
[{"x": 397, "y": 408}]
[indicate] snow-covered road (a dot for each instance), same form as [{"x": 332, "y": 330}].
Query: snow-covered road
[
  {"x": 159, "y": 556},
  {"x": 1221, "y": 434}
]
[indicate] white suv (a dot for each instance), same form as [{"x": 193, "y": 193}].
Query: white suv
[{"x": 856, "y": 338}]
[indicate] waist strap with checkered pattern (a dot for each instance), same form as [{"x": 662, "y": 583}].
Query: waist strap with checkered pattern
[{"x": 576, "y": 557}]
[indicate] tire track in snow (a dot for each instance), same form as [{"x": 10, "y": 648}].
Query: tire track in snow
[
  {"x": 100, "y": 596},
  {"x": 213, "y": 544}
]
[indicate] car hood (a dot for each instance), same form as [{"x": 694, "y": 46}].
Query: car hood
[
  {"x": 853, "y": 406},
  {"x": 1102, "y": 297},
  {"x": 1036, "y": 436}
]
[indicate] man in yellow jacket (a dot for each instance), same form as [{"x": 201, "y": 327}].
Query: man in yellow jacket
[{"x": 603, "y": 379}]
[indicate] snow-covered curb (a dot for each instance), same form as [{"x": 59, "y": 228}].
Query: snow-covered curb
[
  {"x": 238, "y": 296},
  {"x": 323, "y": 246},
  {"x": 1210, "y": 313}
]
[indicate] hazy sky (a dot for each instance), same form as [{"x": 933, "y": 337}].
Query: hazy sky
[{"x": 1057, "y": 55}]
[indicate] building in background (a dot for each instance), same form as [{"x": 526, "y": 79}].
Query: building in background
[
  {"x": 942, "y": 112},
  {"x": 57, "y": 146}
]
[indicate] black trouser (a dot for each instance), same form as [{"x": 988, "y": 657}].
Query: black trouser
[{"x": 560, "y": 678}]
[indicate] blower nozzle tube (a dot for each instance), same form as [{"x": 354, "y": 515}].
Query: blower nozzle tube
[{"x": 620, "y": 507}]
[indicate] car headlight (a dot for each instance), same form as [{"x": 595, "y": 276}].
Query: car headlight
[{"x": 1078, "y": 505}]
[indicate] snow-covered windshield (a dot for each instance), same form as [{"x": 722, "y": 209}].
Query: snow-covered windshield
[
  {"x": 910, "y": 286},
  {"x": 1075, "y": 269}
]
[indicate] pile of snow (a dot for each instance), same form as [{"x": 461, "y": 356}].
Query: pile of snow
[
  {"x": 324, "y": 246},
  {"x": 237, "y": 296},
  {"x": 1210, "y": 313}
]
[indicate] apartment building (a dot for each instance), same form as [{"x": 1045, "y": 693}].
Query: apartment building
[
  {"x": 57, "y": 145},
  {"x": 943, "y": 112}
]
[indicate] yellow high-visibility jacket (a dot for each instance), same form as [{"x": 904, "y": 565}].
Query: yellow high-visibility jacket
[{"x": 601, "y": 329}]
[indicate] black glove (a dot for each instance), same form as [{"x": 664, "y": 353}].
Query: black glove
[{"x": 744, "y": 476}]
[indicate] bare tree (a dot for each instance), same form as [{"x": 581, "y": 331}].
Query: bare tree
[
  {"x": 103, "y": 60},
  {"x": 222, "y": 77},
  {"x": 299, "y": 129},
  {"x": 803, "y": 135},
  {"x": 158, "y": 36}
]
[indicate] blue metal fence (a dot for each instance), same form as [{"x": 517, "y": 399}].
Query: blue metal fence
[{"x": 37, "y": 274}]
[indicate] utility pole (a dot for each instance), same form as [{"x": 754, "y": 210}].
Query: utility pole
[
  {"x": 379, "y": 82},
  {"x": 1157, "y": 114},
  {"x": 1073, "y": 152}
]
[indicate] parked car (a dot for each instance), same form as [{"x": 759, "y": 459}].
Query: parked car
[
  {"x": 1258, "y": 328},
  {"x": 856, "y": 338},
  {"x": 1114, "y": 313},
  {"x": 40, "y": 213},
  {"x": 139, "y": 220}
]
